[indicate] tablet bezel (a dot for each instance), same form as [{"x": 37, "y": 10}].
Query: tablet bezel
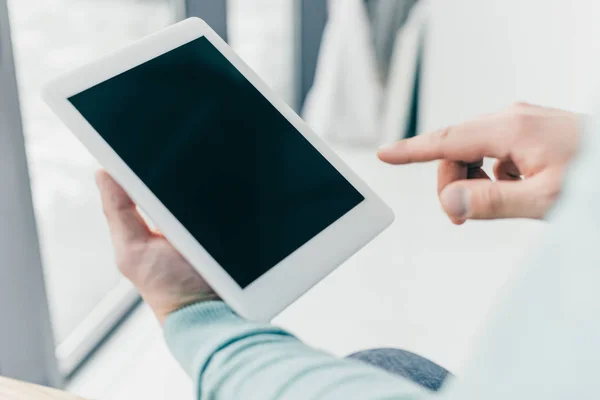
[{"x": 290, "y": 278}]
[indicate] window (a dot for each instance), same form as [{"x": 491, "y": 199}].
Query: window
[{"x": 86, "y": 294}]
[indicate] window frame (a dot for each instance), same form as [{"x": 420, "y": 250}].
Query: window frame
[{"x": 26, "y": 339}]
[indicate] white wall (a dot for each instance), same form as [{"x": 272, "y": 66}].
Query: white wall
[
  {"x": 586, "y": 46},
  {"x": 482, "y": 55}
]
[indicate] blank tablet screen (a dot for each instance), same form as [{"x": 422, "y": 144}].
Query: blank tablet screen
[{"x": 234, "y": 172}]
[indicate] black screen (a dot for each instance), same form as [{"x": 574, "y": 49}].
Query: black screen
[{"x": 234, "y": 172}]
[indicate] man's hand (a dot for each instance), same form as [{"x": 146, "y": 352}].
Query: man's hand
[
  {"x": 532, "y": 145},
  {"x": 166, "y": 281}
]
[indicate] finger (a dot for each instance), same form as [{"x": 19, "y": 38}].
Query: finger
[
  {"x": 467, "y": 142},
  {"x": 451, "y": 171},
  {"x": 448, "y": 172},
  {"x": 472, "y": 174},
  {"x": 484, "y": 199},
  {"x": 506, "y": 170},
  {"x": 124, "y": 221}
]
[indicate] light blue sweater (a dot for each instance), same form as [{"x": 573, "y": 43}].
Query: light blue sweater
[{"x": 542, "y": 343}]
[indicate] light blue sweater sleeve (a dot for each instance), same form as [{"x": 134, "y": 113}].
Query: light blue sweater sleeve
[{"x": 231, "y": 358}]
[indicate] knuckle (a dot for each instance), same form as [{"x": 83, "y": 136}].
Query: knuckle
[
  {"x": 496, "y": 200},
  {"x": 554, "y": 191},
  {"x": 444, "y": 134},
  {"x": 523, "y": 123},
  {"x": 491, "y": 202},
  {"x": 440, "y": 139},
  {"x": 551, "y": 194},
  {"x": 537, "y": 157},
  {"x": 520, "y": 106},
  {"x": 544, "y": 199}
]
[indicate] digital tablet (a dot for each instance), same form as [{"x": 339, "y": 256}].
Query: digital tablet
[{"x": 230, "y": 174}]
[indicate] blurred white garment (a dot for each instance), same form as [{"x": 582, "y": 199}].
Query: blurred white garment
[
  {"x": 345, "y": 100},
  {"x": 387, "y": 18},
  {"x": 398, "y": 103},
  {"x": 349, "y": 101}
]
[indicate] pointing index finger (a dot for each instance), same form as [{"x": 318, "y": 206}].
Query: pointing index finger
[{"x": 468, "y": 142}]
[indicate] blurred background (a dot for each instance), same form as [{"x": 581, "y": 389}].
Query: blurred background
[
  {"x": 362, "y": 73},
  {"x": 52, "y": 37}
]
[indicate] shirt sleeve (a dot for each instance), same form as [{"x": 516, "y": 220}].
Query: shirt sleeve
[{"x": 231, "y": 358}]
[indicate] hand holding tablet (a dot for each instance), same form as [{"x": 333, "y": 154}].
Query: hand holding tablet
[
  {"x": 232, "y": 177},
  {"x": 165, "y": 279}
]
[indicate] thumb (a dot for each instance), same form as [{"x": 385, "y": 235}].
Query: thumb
[
  {"x": 485, "y": 199},
  {"x": 124, "y": 221}
]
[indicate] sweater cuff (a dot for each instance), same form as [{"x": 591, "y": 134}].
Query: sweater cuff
[
  {"x": 203, "y": 312},
  {"x": 187, "y": 326}
]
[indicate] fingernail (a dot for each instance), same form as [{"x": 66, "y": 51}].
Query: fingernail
[
  {"x": 387, "y": 147},
  {"x": 456, "y": 202}
]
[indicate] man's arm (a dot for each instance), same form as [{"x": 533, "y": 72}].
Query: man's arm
[{"x": 230, "y": 358}]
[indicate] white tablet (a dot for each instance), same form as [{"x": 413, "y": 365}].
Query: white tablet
[{"x": 249, "y": 195}]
